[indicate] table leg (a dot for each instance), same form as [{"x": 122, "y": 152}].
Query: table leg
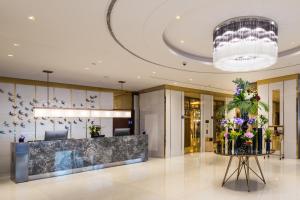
[
  {"x": 248, "y": 174},
  {"x": 246, "y": 169},
  {"x": 228, "y": 166},
  {"x": 261, "y": 173},
  {"x": 239, "y": 168}
]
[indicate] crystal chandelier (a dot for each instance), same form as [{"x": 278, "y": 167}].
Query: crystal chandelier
[{"x": 245, "y": 44}]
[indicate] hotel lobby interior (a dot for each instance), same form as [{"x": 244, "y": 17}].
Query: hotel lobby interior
[{"x": 149, "y": 99}]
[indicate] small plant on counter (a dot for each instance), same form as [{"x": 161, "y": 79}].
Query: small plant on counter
[
  {"x": 21, "y": 138},
  {"x": 95, "y": 131}
]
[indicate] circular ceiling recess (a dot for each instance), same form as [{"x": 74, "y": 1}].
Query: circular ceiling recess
[
  {"x": 245, "y": 44},
  {"x": 167, "y": 33}
]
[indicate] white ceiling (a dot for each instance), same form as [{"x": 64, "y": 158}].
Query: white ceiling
[{"x": 69, "y": 35}]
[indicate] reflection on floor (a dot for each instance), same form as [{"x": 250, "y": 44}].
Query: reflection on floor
[{"x": 193, "y": 176}]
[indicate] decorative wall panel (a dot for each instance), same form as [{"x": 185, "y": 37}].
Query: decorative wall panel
[
  {"x": 176, "y": 123},
  {"x": 106, "y": 102},
  {"x": 40, "y": 100},
  {"x": 290, "y": 118},
  {"x": 78, "y": 129},
  {"x": 207, "y": 107},
  {"x": 152, "y": 121},
  {"x": 24, "y": 116},
  {"x": 7, "y": 128}
]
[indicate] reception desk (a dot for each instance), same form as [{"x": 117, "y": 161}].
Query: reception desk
[{"x": 42, "y": 159}]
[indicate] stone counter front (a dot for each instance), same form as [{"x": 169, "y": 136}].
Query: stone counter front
[{"x": 43, "y": 159}]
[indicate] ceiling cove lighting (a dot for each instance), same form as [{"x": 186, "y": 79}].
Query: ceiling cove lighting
[
  {"x": 82, "y": 113},
  {"x": 245, "y": 44}
]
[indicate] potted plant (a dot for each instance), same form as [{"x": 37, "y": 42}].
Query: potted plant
[
  {"x": 235, "y": 137},
  {"x": 21, "y": 139},
  {"x": 95, "y": 131},
  {"x": 268, "y": 134},
  {"x": 220, "y": 142}
]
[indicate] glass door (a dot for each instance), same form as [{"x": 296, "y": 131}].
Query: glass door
[{"x": 192, "y": 125}]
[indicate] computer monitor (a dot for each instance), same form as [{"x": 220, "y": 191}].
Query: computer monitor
[
  {"x": 56, "y": 135},
  {"x": 121, "y": 131}
]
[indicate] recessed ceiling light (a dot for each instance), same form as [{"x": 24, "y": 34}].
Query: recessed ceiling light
[
  {"x": 100, "y": 61},
  {"x": 153, "y": 72},
  {"x": 181, "y": 41},
  {"x": 32, "y": 18},
  {"x": 178, "y": 17},
  {"x": 139, "y": 77},
  {"x": 175, "y": 83},
  {"x": 16, "y": 44},
  {"x": 190, "y": 79},
  {"x": 87, "y": 68},
  {"x": 10, "y": 55}
]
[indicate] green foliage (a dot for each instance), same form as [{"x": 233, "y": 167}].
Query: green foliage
[
  {"x": 235, "y": 134},
  {"x": 246, "y": 99},
  {"x": 268, "y": 134},
  {"x": 241, "y": 83},
  {"x": 262, "y": 120},
  {"x": 94, "y": 130}
]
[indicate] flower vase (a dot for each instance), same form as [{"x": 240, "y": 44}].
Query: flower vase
[
  {"x": 229, "y": 147},
  {"x": 268, "y": 146},
  {"x": 259, "y": 140},
  {"x": 249, "y": 148},
  {"x": 238, "y": 144},
  {"x": 254, "y": 139},
  {"x": 226, "y": 146},
  {"x": 233, "y": 149}
]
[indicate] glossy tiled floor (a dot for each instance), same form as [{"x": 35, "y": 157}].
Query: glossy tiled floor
[{"x": 196, "y": 176}]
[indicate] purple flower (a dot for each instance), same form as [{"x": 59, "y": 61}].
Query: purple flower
[
  {"x": 238, "y": 121},
  {"x": 251, "y": 121},
  {"x": 226, "y": 135},
  {"x": 249, "y": 135},
  {"x": 224, "y": 122},
  {"x": 238, "y": 91}
]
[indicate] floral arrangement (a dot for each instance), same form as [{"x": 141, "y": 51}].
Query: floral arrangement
[
  {"x": 246, "y": 99},
  {"x": 248, "y": 102}
]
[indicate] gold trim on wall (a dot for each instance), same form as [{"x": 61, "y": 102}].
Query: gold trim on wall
[
  {"x": 185, "y": 89},
  {"x": 58, "y": 85},
  {"x": 278, "y": 79}
]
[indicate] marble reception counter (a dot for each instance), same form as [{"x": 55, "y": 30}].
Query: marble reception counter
[{"x": 42, "y": 159}]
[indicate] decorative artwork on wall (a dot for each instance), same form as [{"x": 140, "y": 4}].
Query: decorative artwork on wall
[{"x": 18, "y": 101}]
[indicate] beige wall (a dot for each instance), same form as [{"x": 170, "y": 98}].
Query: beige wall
[{"x": 123, "y": 101}]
